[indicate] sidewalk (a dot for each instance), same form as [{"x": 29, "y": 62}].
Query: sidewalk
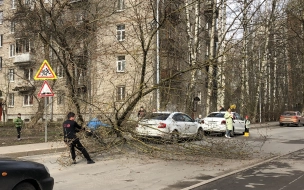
[{"x": 52, "y": 147}]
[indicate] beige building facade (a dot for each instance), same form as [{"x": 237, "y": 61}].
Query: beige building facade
[
  {"x": 113, "y": 52},
  {"x": 111, "y": 78}
]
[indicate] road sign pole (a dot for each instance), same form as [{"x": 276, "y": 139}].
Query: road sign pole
[
  {"x": 45, "y": 107},
  {"x": 45, "y": 72}
]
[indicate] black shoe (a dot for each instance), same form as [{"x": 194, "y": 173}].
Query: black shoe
[
  {"x": 74, "y": 162},
  {"x": 90, "y": 162}
]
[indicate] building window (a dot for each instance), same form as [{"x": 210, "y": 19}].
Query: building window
[
  {"x": 1, "y": 17},
  {"x": 27, "y": 2},
  {"x": 28, "y": 74},
  {"x": 1, "y": 40},
  {"x": 121, "y": 32},
  {"x": 11, "y": 75},
  {"x": 28, "y": 100},
  {"x": 121, "y": 61},
  {"x": 60, "y": 98},
  {"x": 12, "y": 50},
  {"x": 0, "y": 63},
  {"x": 120, "y": 5},
  {"x": 13, "y": 26},
  {"x": 13, "y": 3},
  {"x": 60, "y": 71},
  {"x": 22, "y": 46},
  {"x": 11, "y": 100},
  {"x": 121, "y": 93}
]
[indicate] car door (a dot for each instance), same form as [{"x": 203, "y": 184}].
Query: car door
[
  {"x": 301, "y": 118},
  {"x": 239, "y": 123},
  {"x": 190, "y": 125},
  {"x": 179, "y": 123}
]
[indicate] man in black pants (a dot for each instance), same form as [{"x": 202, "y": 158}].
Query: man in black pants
[{"x": 70, "y": 128}]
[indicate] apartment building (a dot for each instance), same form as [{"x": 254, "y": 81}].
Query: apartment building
[{"x": 105, "y": 55}]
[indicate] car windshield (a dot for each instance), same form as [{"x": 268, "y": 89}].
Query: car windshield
[
  {"x": 289, "y": 113},
  {"x": 157, "y": 116},
  {"x": 216, "y": 115}
]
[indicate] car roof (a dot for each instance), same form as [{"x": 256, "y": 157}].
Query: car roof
[
  {"x": 162, "y": 112},
  {"x": 167, "y": 112}
]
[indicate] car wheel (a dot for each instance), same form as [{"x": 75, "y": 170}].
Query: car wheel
[
  {"x": 24, "y": 186},
  {"x": 174, "y": 137},
  {"x": 200, "y": 134},
  {"x": 299, "y": 124},
  {"x": 281, "y": 124}
]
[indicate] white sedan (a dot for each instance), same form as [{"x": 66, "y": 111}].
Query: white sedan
[
  {"x": 215, "y": 122},
  {"x": 169, "y": 125}
]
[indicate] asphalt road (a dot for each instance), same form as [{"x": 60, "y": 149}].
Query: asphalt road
[
  {"x": 284, "y": 173},
  {"x": 142, "y": 173}
]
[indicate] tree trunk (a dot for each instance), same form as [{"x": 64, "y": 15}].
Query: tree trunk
[{"x": 209, "y": 98}]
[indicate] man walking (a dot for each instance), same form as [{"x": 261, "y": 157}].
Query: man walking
[
  {"x": 18, "y": 124},
  {"x": 70, "y": 128}
]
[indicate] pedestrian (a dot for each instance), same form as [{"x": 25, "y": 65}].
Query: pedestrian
[
  {"x": 18, "y": 124},
  {"x": 229, "y": 123},
  {"x": 96, "y": 122},
  {"x": 93, "y": 125},
  {"x": 221, "y": 108},
  {"x": 141, "y": 113},
  {"x": 70, "y": 128},
  {"x": 199, "y": 119},
  {"x": 247, "y": 124}
]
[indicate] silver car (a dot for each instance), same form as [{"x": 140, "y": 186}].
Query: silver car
[
  {"x": 215, "y": 122},
  {"x": 169, "y": 125}
]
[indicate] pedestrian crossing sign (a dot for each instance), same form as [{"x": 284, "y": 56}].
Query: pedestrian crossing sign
[{"x": 45, "y": 72}]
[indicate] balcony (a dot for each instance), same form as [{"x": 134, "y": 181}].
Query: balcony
[
  {"x": 24, "y": 89},
  {"x": 24, "y": 59}
]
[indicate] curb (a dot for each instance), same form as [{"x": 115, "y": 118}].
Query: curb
[
  {"x": 34, "y": 152},
  {"x": 32, "y": 149}
]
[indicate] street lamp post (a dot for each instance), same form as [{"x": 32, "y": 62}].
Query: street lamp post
[{"x": 260, "y": 96}]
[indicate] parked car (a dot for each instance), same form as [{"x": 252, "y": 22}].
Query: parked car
[
  {"x": 167, "y": 125},
  {"x": 215, "y": 122},
  {"x": 291, "y": 118},
  {"x": 24, "y": 175}
]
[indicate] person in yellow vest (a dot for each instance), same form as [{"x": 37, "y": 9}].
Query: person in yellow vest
[
  {"x": 229, "y": 122},
  {"x": 18, "y": 124}
]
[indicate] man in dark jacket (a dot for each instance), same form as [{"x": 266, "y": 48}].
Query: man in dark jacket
[{"x": 70, "y": 128}]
